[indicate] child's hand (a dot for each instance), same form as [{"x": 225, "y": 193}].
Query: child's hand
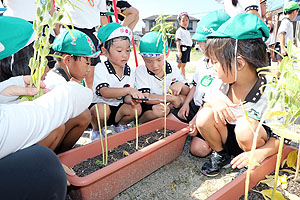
[
  {"x": 192, "y": 127},
  {"x": 242, "y": 159},
  {"x": 176, "y": 88},
  {"x": 174, "y": 100},
  {"x": 222, "y": 111},
  {"x": 179, "y": 55},
  {"x": 184, "y": 111},
  {"x": 69, "y": 172}
]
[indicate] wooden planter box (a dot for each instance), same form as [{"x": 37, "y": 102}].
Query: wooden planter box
[
  {"x": 109, "y": 181},
  {"x": 236, "y": 188}
]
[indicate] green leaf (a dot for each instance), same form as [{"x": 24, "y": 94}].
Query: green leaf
[
  {"x": 278, "y": 195},
  {"x": 284, "y": 132},
  {"x": 291, "y": 159},
  {"x": 277, "y": 114}
]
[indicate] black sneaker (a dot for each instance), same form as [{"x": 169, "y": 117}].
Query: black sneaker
[
  {"x": 215, "y": 163},
  {"x": 242, "y": 170}
]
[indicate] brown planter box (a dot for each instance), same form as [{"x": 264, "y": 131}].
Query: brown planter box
[
  {"x": 109, "y": 181},
  {"x": 236, "y": 188}
]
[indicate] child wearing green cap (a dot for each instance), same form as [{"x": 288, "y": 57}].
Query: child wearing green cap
[
  {"x": 114, "y": 80},
  {"x": 183, "y": 41},
  {"x": 75, "y": 52},
  {"x": 236, "y": 52},
  {"x": 150, "y": 78},
  {"x": 203, "y": 79},
  {"x": 286, "y": 29}
]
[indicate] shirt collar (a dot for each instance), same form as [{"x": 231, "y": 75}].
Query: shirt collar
[
  {"x": 58, "y": 70},
  {"x": 111, "y": 69}
]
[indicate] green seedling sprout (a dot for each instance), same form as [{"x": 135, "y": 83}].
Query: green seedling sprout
[
  {"x": 284, "y": 102},
  {"x": 105, "y": 131},
  {"x": 136, "y": 129},
  {"x": 101, "y": 141},
  {"x": 162, "y": 27}
]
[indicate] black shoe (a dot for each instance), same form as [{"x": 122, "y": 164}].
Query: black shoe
[
  {"x": 242, "y": 170},
  {"x": 215, "y": 163}
]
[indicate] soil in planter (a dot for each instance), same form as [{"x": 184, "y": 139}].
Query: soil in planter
[
  {"x": 93, "y": 164},
  {"x": 293, "y": 187}
]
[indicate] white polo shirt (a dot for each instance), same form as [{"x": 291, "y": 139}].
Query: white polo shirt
[
  {"x": 286, "y": 27},
  {"x": 88, "y": 16},
  {"x": 148, "y": 82},
  {"x": 105, "y": 76},
  {"x": 203, "y": 78},
  {"x": 255, "y": 103},
  {"x": 241, "y": 6},
  {"x": 25, "y": 9},
  {"x": 184, "y": 36}
]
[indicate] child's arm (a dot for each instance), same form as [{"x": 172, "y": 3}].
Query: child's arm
[
  {"x": 179, "y": 88},
  {"x": 282, "y": 43},
  {"x": 261, "y": 153},
  {"x": 178, "y": 49},
  {"x": 110, "y": 93}
]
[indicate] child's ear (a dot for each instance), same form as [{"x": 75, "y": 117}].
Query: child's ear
[
  {"x": 67, "y": 59},
  {"x": 104, "y": 51},
  {"x": 240, "y": 62}
]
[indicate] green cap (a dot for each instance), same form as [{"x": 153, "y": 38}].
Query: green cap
[
  {"x": 78, "y": 45},
  {"x": 14, "y": 35},
  {"x": 209, "y": 24},
  {"x": 113, "y": 30},
  {"x": 243, "y": 26},
  {"x": 291, "y": 5},
  {"x": 149, "y": 47}
]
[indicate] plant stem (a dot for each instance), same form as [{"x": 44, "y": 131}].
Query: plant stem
[
  {"x": 136, "y": 129},
  {"x": 278, "y": 161},
  {"x": 99, "y": 125},
  {"x": 105, "y": 130},
  {"x": 298, "y": 163}
]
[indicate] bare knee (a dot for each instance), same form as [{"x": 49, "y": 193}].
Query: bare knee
[{"x": 199, "y": 147}]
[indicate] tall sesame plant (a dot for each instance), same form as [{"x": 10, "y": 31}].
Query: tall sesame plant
[
  {"x": 42, "y": 29},
  {"x": 283, "y": 107},
  {"x": 161, "y": 27}
]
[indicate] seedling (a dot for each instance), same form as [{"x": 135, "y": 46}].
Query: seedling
[{"x": 162, "y": 27}]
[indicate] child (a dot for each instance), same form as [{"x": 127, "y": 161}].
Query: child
[
  {"x": 236, "y": 52},
  {"x": 76, "y": 52},
  {"x": 150, "y": 79},
  {"x": 286, "y": 30},
  {"x": 114, "y": 80},
  {"x": 183, "y": 41},
  {"x": 203, "y": 79}
]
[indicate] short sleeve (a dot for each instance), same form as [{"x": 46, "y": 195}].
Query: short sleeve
[
  {"x": 283, "y": 26},
  {"x": 100, "y": 78},
  {"x": 102, "y": 7},
  {"x": 177, "y": 74},
  {"x": 178, "y": 34},
  {"x": 142, "y": 81}
]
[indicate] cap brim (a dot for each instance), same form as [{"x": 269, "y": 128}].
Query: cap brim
[
  {"x": 216, "y": 35},
  {"x": 199, "y": 37},
  {"x": 95, "y": 55}
]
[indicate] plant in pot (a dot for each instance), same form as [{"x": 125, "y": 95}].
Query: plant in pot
[
  {"x": 110, "y": 180},
  {"x": 283, "y": 110}
]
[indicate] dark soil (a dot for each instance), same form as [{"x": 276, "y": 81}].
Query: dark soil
[
  {"x": 293, "y": 187},
  {"x": 93, "y": 164}
]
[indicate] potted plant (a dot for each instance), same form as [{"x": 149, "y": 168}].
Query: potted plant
[{"x": 109, "y": 181}]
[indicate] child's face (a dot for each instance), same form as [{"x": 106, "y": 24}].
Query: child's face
[
  {"x": 225, "y": 75},
  {"x": 155, "y": 64},
  {"x": 119, "y": 52},
  {"x": 202, "y": 46},
  {"x": 79, "y": 68},
  {"x": 295, "y": 13},
  {"x": 184, "y": 21}
]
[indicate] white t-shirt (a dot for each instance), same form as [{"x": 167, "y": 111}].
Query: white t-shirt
[
  {"x": 25, "y": 9},
  {"x": 203, "y": 78},
  {"x": 241, "y": 6},
  {"x": 105, "y": 76},
  {"x": 87, "y": 16},
  {"x": 25, "y": 124},
  {"x": 286, "y": 27},
  {"x": 55, "y": 78},
  {"x": 148, "y": 82},
  {"x": 184, "y": 36},
  {"x": 255, "y": 103}
]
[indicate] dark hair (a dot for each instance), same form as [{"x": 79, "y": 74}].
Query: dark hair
[
  {"x": 223, "y": 49},
  {"x": 234, "y": 2},
  {"x": 107, "y": 44},
  {"x": 289, "y": 11},
  {"x": 179, "y": 18},
  {"x": 61, "y": 54}
]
